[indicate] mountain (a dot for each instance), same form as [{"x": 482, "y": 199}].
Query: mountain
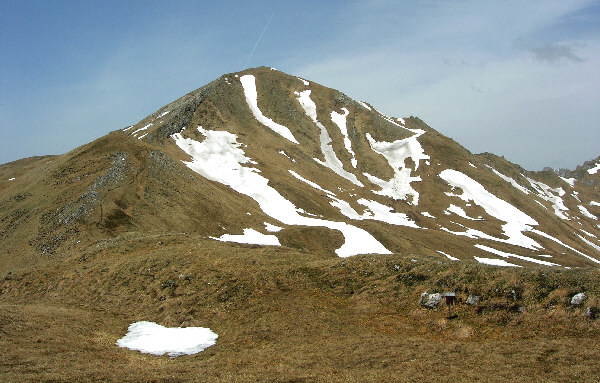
[
  {"x": 260, "y": 189},
  {"x": 296, "y": 164}
]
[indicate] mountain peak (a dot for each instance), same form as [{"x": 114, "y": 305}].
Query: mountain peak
[{"x": 261, "y": 149}]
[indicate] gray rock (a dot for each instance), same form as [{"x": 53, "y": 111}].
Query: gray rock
[
  {"x": 473, "y": 300},
  {"x": 430, "y": 301},
  {"x": 591, "y": 312},
  {"x": 577, "y": 299}
]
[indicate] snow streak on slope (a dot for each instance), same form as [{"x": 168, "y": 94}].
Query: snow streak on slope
[
  {"x": 495, "y": 262},
  {"x": 507, "y": 255},
  {"x": 220, "y": 158},
  {"x": 448, "y": 256},
  {"x": 516, "y": 220},
  {"x": 541, "y": 233},
  {"x": 586, "y": 213},
  {"x": 340, "y": 121},
  {"x": 396, "y": 154},
  {"x": 510, "y": 180},
  {"x": 331, "y": 160},
  {"x": 249, "y": 84},
  {"x": 460, "y": 212},
  {"x": 547, "y": 193}
]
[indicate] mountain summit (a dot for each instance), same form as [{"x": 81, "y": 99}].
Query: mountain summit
[{"x": 265, "y": 158}]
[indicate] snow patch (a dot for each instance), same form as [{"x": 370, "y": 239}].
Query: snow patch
[
  {"x": 12, "y": 179},
  {"x": 152, "y": 338},
  {"x": 364, "y": 105},
  {"x": 586, "y": 213},
  {"x": 594, "y": 203},
  {"x": 303, "y": 81},
  {"x": 460, "y": 212},
  {"x": 426, "y": 214},
  {"x": 331, "y": 160},
  {"x": 592, "y": 244},
  {"x": 285, "y": 154},
  {"x": 495, "y": 262},
  {"x": 595, "y": 169},
  {"x": 313, "y": 184},
  {"x": 448, "y": 256},
  {"x": 272, "y": 228},
  {"x": 140, "y": 129},
  {"x": 588, "y": 234},
  {"x": 396, "y": 154},
  {"x": 250, "y": 236},
  {"x": 249, "y": 84},
  {"x": 570, "y": 181}
]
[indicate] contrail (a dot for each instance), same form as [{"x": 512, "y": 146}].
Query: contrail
[{"x": 258, "y": 41}]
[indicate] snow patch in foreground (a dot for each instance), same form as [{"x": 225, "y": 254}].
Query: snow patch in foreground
[
  {"x": 152, "y": 338},
  {"x": 220, "y": 157},
  {"x": 249, "y": 84},
  {"x": 251, "y": 237}
]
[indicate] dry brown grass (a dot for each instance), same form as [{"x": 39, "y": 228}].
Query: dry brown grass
[{"x": 289, "y": 316}]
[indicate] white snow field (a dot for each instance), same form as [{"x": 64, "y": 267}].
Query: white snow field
[
  {"x": 331, "y": 160},
  {"x": 396, "y": 154},
  {"x": 220, "y": 157},
  {"x": 340, "y": 121},
  {"x": 152, "y": 338},
  {"x": 249, "y": 84},
  {"x": 460, "y": 212},
  {"x": 516, "y": 220},
  {"x": 251, "y": 237}
]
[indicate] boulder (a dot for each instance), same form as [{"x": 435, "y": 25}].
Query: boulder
[
  {"x": 473, "y": 300},
  {"x": 430, "y": 301},
  {"x": 577, "y": 299},
  {"x": 591, "y": 312}
]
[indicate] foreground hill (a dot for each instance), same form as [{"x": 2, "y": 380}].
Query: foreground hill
[{"x": 347, "y": 216}]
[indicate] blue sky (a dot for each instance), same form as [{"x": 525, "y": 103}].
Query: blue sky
[{"x": 514, "y": 79}]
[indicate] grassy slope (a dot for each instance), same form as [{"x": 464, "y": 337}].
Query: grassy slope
[{"x": 284, "y": 315}]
